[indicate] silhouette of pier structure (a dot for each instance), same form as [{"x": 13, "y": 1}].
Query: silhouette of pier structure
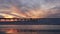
[{"x": 30, "y": 21}]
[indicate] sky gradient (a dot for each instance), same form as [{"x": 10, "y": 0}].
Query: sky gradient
[{"x": 30, "y": 8}]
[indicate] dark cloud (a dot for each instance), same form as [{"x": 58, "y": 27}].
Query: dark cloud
[
  {"x": 1, "y": 16},
  {"x": 56, "y": 14}
]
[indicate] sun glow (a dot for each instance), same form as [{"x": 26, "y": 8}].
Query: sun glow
[
  {"x": 14, "y": 12},
  {"x": 12, "y": 31}
]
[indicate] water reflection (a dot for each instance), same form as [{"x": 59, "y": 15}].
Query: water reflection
[
  {"x": 29, "y": 29},
  {"x": 2, "y": 32}
]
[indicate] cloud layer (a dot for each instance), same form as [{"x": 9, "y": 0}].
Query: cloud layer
[{"x": 35, "y": 8}]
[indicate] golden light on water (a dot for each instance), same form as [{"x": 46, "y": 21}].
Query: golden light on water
[{"x": 11, "y": 31}]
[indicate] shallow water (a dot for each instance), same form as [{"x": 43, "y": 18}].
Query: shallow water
[{"x": 30, "y": 29}]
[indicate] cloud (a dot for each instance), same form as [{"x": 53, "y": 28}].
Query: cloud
[
  {"x": 34, "y": 8},
  {"x": 55, "y": 12}
]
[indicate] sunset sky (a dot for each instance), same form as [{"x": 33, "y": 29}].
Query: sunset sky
[
  {"x": 48, "y": 9},
  {"x": 30, "y": 8}
]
